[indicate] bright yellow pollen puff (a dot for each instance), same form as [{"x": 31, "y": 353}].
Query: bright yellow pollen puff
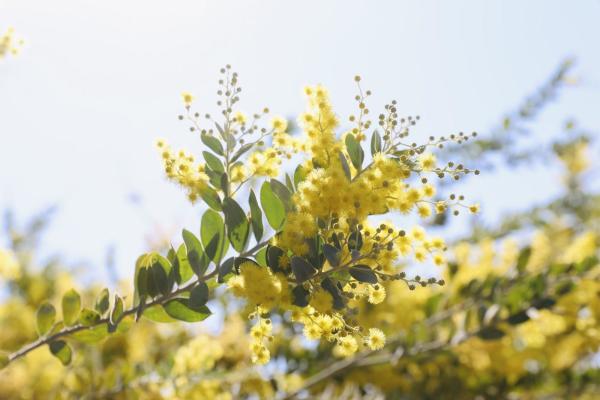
[
  {"x": 424, "y": 210},
  {"x": 474, "y": 208},
  {"x": 187, "y": 97},
  {"x": 346, "y": 346},
  {"x": 279, "y": 124},
  {"x": 427, "y": 161},
  {"x": 376, "y": 294},
  {"x": 440, "y": 207},
  {"x": 240, "y": 118},
  {"x": 376, "y": 339},
  {"x": 439, "y": 260},
  {"x": 428, "y": 190}
]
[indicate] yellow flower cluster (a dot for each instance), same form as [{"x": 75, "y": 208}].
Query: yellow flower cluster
[
  {"x": 260, "y": 286},
  {"x": 9, "y": 266},
  {"x": 181, "y": 168},
  {"x": 8, "y": 43}
]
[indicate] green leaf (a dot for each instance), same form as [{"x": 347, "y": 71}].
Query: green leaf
[
  {"x": 71, "y": 305},
  {"x": 180, "y": 309},
  {"x": 273, "y": 255},
  {"x": 46, "y": 315},
  {"x": 238, "y": 228},
  {"x": 355, "y": 241},
  {"x": 211, "y": 198},
  {"x": 61, "y": 350},
  {"x": 289, "y": 184},
  {"x": 302, "y": 269},
  {"x": 355, "y": 151},
  {"x": 185, "y": 269},
  {"x": 140, "y": 278},
  {"x": 212, "y": 234},
  {"x": 225, "y": 269},
  {"x": 212, "y": 143},
  {"x": 299, "y": 175},
  {"x": 243, "y": 149},
  {"x": 300, "y": 296},
  {"x": 196, "y": 257},
  {"x": 91, "y": 335},
  {"x": 103, "y": 301},
  {"x": 157, "y": 313},
  {"x": 88, "y": 317},
  {"x": 363, "y": 273},
  {"x": 162, "y": 272},
  {"x": 117, "y": 311},
  {"x": 198, "y": 296},
  {"x": 332, "y": 254},
  {"x": 273, "y": 207},
  {"x": 376, "y": 145},
  {"x": 345, "y": 166},
  {"x": 283, "y": 193},
  {"x": 255, "y": 216},
  {"x": 213, "y": 162},
  {"x": 490, "y": 333},
  {"x": 261, "y": 257},
  {"x": 224, "y": 183},
  {"x": 339, "y": 302}
]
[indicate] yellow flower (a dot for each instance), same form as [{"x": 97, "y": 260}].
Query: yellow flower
[
  {"x": 187, "y": 97},
  {"x": 279, "y": 124},
  {"x": 376, "y": 339},
  {"x": 240, "y": 118}
]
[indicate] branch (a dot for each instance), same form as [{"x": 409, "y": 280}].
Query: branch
[{"x": 131, "y": 311}]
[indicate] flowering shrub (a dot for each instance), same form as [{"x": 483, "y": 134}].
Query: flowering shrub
[{"x": 296, "y": 237}]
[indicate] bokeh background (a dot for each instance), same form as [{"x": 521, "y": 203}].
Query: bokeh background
[{"x": 97, "y": 82}]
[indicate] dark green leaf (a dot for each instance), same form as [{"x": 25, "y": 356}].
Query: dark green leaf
[
  {"x": 212, "y": 233},
  {"x": 196, "y": 257},
  {"x": 46, "y": 315},
  {"x": 211, "y": 198},
  {"x": 256, "y": 216},
  {"x": 300, "y": 296},
  {"x": 363, "y": 273},
  {"x": 213, "y": 162},
  {"x": 518, "y": 318},
  {"x": 302, "y": 269},
  {"x": 198, "y": 296},
  {"x": 103, "y": 301},
  {"x": 71, "y": 305},
  {"x": 273, "y": 255},
  {"x": 283, "y": 193},
  {"x": 339, "y": 302},
  {"x": 490, "y": 333},
  {"x": 238, "y": 228},
  {"x": 180, "y": 309},
  {"x": 345, "y": 166},
  {"x": 61, "y": 350},
  {"x": 185, "y": 269},
  {"x": 212, "y": 143},
  {"x": 225, "y": 269},
  {"x": 272, "y": 206},
  {"x": 243, "y": 149},
  {"x": 355, "y": 151},
  {"x": 355, "y": 241},
  {"x": 332, "y": 254}
]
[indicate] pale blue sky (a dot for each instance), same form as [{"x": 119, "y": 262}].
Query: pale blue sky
[{"x": 98, "y": 80}]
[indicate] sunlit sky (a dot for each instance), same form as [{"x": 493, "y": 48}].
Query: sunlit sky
[{"x": 98, "y": 81}]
